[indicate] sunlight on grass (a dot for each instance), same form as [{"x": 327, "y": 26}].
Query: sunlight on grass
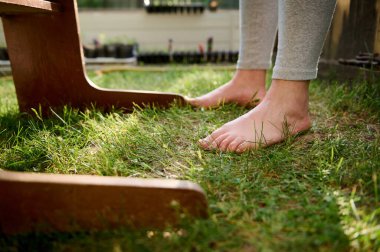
[{"x": 319, "y": 191}]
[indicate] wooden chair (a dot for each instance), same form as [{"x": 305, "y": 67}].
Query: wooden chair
[
  {"x": 47, "y": 60},
  {"x": 48, "y": 71}
]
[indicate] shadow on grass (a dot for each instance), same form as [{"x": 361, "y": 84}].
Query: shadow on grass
[
  {"x": 316, "y": 192},
  {"x": 267, "y": 199}
]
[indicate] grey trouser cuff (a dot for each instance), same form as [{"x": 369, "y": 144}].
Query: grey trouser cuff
[
  {"x": 293, "y": 74},
  {"x": 253, "y": 65}
]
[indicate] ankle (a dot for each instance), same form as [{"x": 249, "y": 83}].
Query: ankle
[
  {"x": 250, "y": 78},
  {"x": 294, "y": 93},
  {"x": 291, "y": 96}
]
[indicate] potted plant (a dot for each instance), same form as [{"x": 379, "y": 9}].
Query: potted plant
[
  {"x": 110, "y": 50},
  {"x": 4, "y": 54},
  {"x": 89, "y": 51},
  {"x": 126, "y": 50}
]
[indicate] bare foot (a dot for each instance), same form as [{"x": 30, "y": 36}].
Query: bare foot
[
  {"x": 246, "y": 88},
  {"x": 282, "y": 113}
]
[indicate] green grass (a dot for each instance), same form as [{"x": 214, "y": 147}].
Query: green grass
[{"x": 318, "y": 192}]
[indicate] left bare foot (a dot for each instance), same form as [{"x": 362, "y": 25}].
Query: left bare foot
[
  {"x": 247, "y": 88},
  {"x": 282, "y": 113}
]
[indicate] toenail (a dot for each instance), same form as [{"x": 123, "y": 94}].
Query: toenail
[{"x": 205, "y": 142}]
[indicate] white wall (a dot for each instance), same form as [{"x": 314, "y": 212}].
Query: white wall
[{"x": 152, "y": 31}]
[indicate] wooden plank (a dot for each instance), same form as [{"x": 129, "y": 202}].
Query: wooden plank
[
  {"x": 11, "y": 7},
  {"x": 31, "y": 202}
]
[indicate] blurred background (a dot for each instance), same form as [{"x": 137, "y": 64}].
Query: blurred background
[
  {"x": 205, "y": 26},
  {"x": 113, "y": 21},
  {"x": 134, "y": 4}
]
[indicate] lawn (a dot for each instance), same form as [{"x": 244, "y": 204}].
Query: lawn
[{"x": 317, "y": 192}]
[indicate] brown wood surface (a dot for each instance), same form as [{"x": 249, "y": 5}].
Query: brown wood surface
[
  {"x": 12, "y": 7},
  {"x": 49, "y": 202},
  {"x": 48, "y": 68}
]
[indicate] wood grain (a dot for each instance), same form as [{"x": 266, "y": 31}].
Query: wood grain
[{"x": 49, "y": 202}]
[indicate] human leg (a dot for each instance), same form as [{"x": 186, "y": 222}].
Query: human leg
[
  {"x": 303, "y": 26},
  {"x": 258, "y": 25}
]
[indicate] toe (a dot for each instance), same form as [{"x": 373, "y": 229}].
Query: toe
[
  {"x": 245, "y": 146},
  {"x": 240, "y": 148},
  {"x": 211, "y": 141},
  {"x": 205, "y": 144},
  {"x": 223, "y": 146},
  {"x": 234, "y": 144},
  {"x": 220, "y": 140},
  {"x": 221, "y": 131}
]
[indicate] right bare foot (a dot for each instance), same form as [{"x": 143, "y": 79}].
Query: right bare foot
[
  {"x": 282, "y": 113},
  {"x": 247, "y": 88}
]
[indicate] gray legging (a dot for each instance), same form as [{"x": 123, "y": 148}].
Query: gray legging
[{"x": 302, "y": 25}]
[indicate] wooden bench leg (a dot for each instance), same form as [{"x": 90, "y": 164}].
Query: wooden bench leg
[
  {"x": 48, "y": 68},
  {"x": 45, "y": 202}
]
